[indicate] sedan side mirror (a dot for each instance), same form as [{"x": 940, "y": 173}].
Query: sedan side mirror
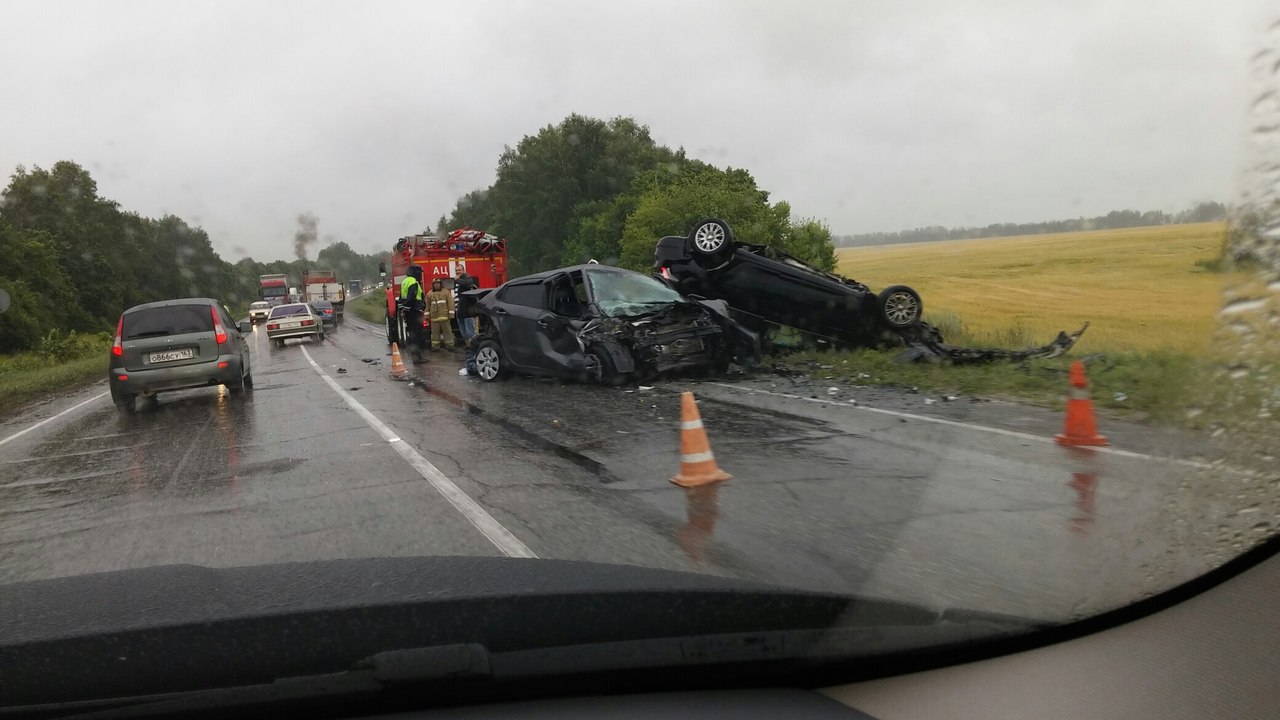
[{"x": 244, "y": 326}]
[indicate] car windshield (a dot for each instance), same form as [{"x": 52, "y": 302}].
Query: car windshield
[
  {"x": 625, "y": 293},
  {"x": 287, "y": 310},
  {"x": 167, "y": 320},
  {"x": 964, "y": 312}
]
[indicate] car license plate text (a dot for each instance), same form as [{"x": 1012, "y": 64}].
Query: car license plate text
[{"x": 171, "y": 355}]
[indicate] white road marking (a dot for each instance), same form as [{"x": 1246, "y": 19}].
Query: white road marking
[
  {"x": 502, "y": 538},
  {"x": 77, "y": 406},
  {"x": 971, "y": 426}
]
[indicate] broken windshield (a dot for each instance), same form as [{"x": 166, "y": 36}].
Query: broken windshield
[{"x": 627, "y": 293}]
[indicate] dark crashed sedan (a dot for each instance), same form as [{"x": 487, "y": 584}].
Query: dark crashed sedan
[{"x": 601, "y": 323}]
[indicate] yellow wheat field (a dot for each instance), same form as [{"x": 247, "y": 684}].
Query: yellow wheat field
[{"x": 1139, "y": 288}]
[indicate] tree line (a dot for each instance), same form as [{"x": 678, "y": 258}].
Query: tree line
[
  {"x": 1201, "y": 212},
  {"x": 591, "y": 189},
  {"x": 71, "y": 260}
]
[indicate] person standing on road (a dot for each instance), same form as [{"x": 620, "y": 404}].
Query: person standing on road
[
  {"x": 466, "y": 325},
  {"x": 440, "y": 311},
  {"x": 412, "y": 302}
]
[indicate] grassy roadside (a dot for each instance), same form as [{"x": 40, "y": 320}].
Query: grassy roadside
[
  {"x": 1141, "y": 385},
  {"x": 371, "y": 306},
  {"x": 65, "y": 362},
  {"x": 1150, "y": 295}
]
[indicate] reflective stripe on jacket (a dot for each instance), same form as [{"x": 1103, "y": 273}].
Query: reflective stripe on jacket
[{"x": 439, "y": 304}]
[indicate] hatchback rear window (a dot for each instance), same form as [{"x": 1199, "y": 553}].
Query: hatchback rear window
[
  {"x": 168, "y": 320},
  {"x": 286, "y": 310}
]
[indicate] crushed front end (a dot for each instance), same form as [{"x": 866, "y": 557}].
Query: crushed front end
[{"x": 677, "y": 337}]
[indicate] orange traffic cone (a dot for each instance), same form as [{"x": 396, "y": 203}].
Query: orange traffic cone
[
  {"x": 398, "y": 370},
  {"x": 1080, "y": 428},
  {"x": 697, "y": 464}
]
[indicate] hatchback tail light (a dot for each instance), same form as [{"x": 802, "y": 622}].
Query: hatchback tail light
[
  {"x": 273, "y": 326},
  {"x": 219, "y": 332},
  {"x": 308, "y": 322},
  {"x": 117, "y": 349}
]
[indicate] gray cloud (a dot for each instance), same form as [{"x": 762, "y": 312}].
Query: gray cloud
[{"x": 871, "y": 115}]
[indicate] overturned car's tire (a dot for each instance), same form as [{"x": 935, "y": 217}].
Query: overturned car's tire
[
  {"x": 489, "y": 363},
  {"x": 711, "y": 240},
  {"x": 900, "y": 306}
]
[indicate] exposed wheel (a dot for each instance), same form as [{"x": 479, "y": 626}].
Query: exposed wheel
[
  {"x": 236, "y": 388},
  {"x": 489, "y": 363},
  {"x": 900, "y": 306},
  {"x": 279, "y": 342},
  {"x": 711, "y": 237},
  {"x": 248, "y": 379},
  {"x": 125, "y": 404},
  {"x": 392, "y": 335}
]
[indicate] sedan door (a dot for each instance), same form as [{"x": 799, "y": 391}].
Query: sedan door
[{"x": 519, "y": 307}]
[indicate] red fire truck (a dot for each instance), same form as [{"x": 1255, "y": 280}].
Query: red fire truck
[{"x": 482, "y": 255}]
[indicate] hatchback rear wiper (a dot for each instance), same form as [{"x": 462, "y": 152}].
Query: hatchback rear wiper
[{"x": 149, "y": 333}]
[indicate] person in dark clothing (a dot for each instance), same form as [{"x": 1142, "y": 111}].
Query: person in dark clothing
[
  {"x": 412, "y": 300},
  {"x": 466, "y": 323}
]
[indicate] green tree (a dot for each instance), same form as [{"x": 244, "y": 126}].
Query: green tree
[
  {"x": 40, "y": 293},
  {"x": 542, "y": 182},
  {"x": 810, "y": 240},
  {"x": 671, "y": 208}
]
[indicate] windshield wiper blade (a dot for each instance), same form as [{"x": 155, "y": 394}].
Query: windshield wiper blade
[
  {"x": 149, "y": 333},
  {"x": 373, "y": 675},
  {"x": 446, "y": 666}
]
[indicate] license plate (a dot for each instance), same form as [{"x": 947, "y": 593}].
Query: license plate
[
  {"x": 291, "y": 325},
  {"x": 171, "y": 355}
]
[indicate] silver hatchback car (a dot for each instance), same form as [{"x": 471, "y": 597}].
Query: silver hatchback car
[
  {"x": 294, "y": 320},
  {"x": 177, "y": 344}
]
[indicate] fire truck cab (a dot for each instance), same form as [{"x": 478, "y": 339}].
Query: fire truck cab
[{"x": 481, "y": 255}]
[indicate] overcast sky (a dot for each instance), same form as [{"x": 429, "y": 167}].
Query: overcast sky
[{"x": 872, "y": 115}]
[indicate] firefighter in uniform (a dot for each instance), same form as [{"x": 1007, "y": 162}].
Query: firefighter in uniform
[
  {"x": 411, "y": 299},
  {"x": 440, "y": 311}
]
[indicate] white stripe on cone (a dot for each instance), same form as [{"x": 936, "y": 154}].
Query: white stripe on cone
[
  {"x": 698, "y": 457},
  {"x": 690, "y": 424}
]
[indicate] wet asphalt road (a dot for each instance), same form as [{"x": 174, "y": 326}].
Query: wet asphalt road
[{"x": 826, "y": 495}]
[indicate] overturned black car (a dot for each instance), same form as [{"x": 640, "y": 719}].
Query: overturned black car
[
  {"x": 769, "y": 292},
  {"x": 765, "y": 285},
  {"x": 601, "y": 323}
]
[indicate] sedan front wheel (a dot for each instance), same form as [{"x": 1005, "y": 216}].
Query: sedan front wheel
[{"x": 489, "y": 363}]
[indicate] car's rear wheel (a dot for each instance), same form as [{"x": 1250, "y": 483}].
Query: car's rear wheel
[
  {"x": 712, "y": 241},
  {"x": 236, "y": 388},
  {"x": 711, "y": 237},
  {"x": 126, "y": 404},
  {"x": 248, "y": 379},
  {"x": 489, "y": 363},
  {"x": 900, "y": 306}
]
